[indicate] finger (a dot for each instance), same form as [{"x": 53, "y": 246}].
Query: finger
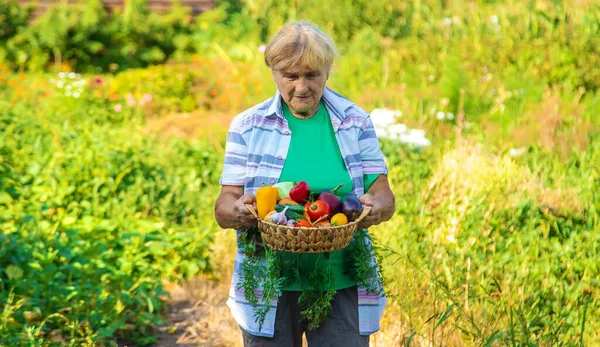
[
  {"x": 247, "y": 199},
  {"x": 244, "y": 213},
  {"x": 367, "y": 199},
  {"x": 373, "y": 217}
]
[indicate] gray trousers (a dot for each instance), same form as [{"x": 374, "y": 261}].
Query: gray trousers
[{"x": 340, "y": 329}]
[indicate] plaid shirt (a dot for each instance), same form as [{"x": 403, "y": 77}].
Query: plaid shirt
[{"x": 256, "y": 148}]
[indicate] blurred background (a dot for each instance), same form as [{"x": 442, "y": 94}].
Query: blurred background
[{"x": 113, "y": 116}]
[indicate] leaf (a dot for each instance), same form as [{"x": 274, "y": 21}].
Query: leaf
[
  {"x": 150, "y": 306},
  {"x": 5, "y": 198},
  {"x": 69, "y": 220},
  {"x": 33, "y": 316},
  {"x": 119, "y": 307},
  {"x": 157, "y": 248},
  {"x": 494, "y": 337},
  {"x": 14, "y": 272},
  {"x": 432, "y": 317},
  {"x": 444, "y": 316},
  {"x": 410, "y": 338},
  {"x": 56, "y": 336}
]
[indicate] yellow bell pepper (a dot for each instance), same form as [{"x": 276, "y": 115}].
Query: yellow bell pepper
[{"x": 266, "y": 199}]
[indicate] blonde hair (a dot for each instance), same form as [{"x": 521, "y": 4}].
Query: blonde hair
[{"x": 300, "y": 43}]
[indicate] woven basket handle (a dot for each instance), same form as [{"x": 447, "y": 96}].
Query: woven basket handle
[
  {"x": 365, "y": 212},
  {"x": 251, "y": 209}
]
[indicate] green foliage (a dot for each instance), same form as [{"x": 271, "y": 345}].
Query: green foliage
[
  {"x": 63, "y": 33},
  {"x": 315, "y": 299},
  {"x": 486, "y": 247},
  {"x": 260, "y": 272},
  {"x": 93, "y": 219},
  {"x": 12, "y": 18},
  {"x": 89, "y": 40},
  {"x": 518, "y": 266},
  {"x": 170, "y": 85}
]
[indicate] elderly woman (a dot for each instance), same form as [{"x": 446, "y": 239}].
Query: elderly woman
[{"x": 305, "y": 132}]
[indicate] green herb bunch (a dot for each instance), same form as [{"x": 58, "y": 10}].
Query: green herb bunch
[
  {"x": 262, "y": 266},
  {"x": 253, "y": 270}
]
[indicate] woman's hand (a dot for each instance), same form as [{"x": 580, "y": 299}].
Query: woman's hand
[
  {"x": 382, "y": 202},
  {"x": 242, "y": 214},
  {"x": 374, "y": 216},
  {"x": 230, "y": 208}
]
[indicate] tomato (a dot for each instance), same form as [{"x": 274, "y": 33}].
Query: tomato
[{"x": 318, "y": 209}]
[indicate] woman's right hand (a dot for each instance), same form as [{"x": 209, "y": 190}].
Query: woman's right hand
[
  {"x": 231, "y": 211},
  {"x": 245, "y": 217}
]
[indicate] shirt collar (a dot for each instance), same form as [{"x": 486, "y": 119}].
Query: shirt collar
[{"x": 275, "y": 108}]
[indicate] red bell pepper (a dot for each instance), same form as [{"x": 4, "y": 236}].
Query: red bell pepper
[{"x": 300, "y": 192}]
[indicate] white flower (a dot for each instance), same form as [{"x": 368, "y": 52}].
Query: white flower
[
  {"x": 440, "y": 115},
  {"x": 494, "y": 19},
  {"x": 448, "y": 21},
  {"x": 450, "y": 115},
  {"x": 417, "y": 133},
  {"x": 72, "y": 75},
  {"x": 262, "y": 48},
  {"x": 397, "y": 129},
  {"x": 76, "y": 95},
  {"x": 415, "y": 138},
  {"x": 61, "y": 74},
  {"x": 515, "y": 152},
  {"x": 384, "y": 117},
  {"x": 381, "y": 132}
]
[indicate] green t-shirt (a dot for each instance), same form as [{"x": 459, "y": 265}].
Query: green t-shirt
[{"x": 314, "y": 157}]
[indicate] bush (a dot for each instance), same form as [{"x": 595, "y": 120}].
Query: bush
[{"x": 94, "y": 218}]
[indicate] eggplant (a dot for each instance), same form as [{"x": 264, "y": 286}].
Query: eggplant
[
  {"x": 333, "y": 201},
  {"x": 351, "y": 206},
  {"x": 329, "y": 197}
]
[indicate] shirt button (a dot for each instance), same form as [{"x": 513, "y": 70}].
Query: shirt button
[
  {"x": 272, "y": 180},
  {"x": 279, "y": 157},
  {"x": 287, "y": 132}
]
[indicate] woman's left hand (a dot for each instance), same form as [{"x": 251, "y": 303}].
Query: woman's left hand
[
  {"x": 374, "y": 216},
  {"x": 382, "y": 202}
]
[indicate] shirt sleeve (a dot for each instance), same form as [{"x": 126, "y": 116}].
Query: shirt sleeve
[
  {"x": 236, "y": 155},
  {"x": 372, "y": 158},
  {"x": 369, "y": 179}
]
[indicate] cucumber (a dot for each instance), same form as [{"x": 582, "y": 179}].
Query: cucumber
[{"x": 294, "y": 212}]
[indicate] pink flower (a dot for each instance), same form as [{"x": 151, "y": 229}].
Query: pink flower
[
  {"x": 96, "y": 81},
  {"x": 130, "y": 99},
  {"x": 262, "y": 48},
  {"x": 118, "y": 108},
  {"x": 146, "y": 98}
]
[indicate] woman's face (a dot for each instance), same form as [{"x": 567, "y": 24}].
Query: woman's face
[{"x": 301, "y": 88}]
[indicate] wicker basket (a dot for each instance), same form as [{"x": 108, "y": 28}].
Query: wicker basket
[{"x": 307, "y": 240}]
